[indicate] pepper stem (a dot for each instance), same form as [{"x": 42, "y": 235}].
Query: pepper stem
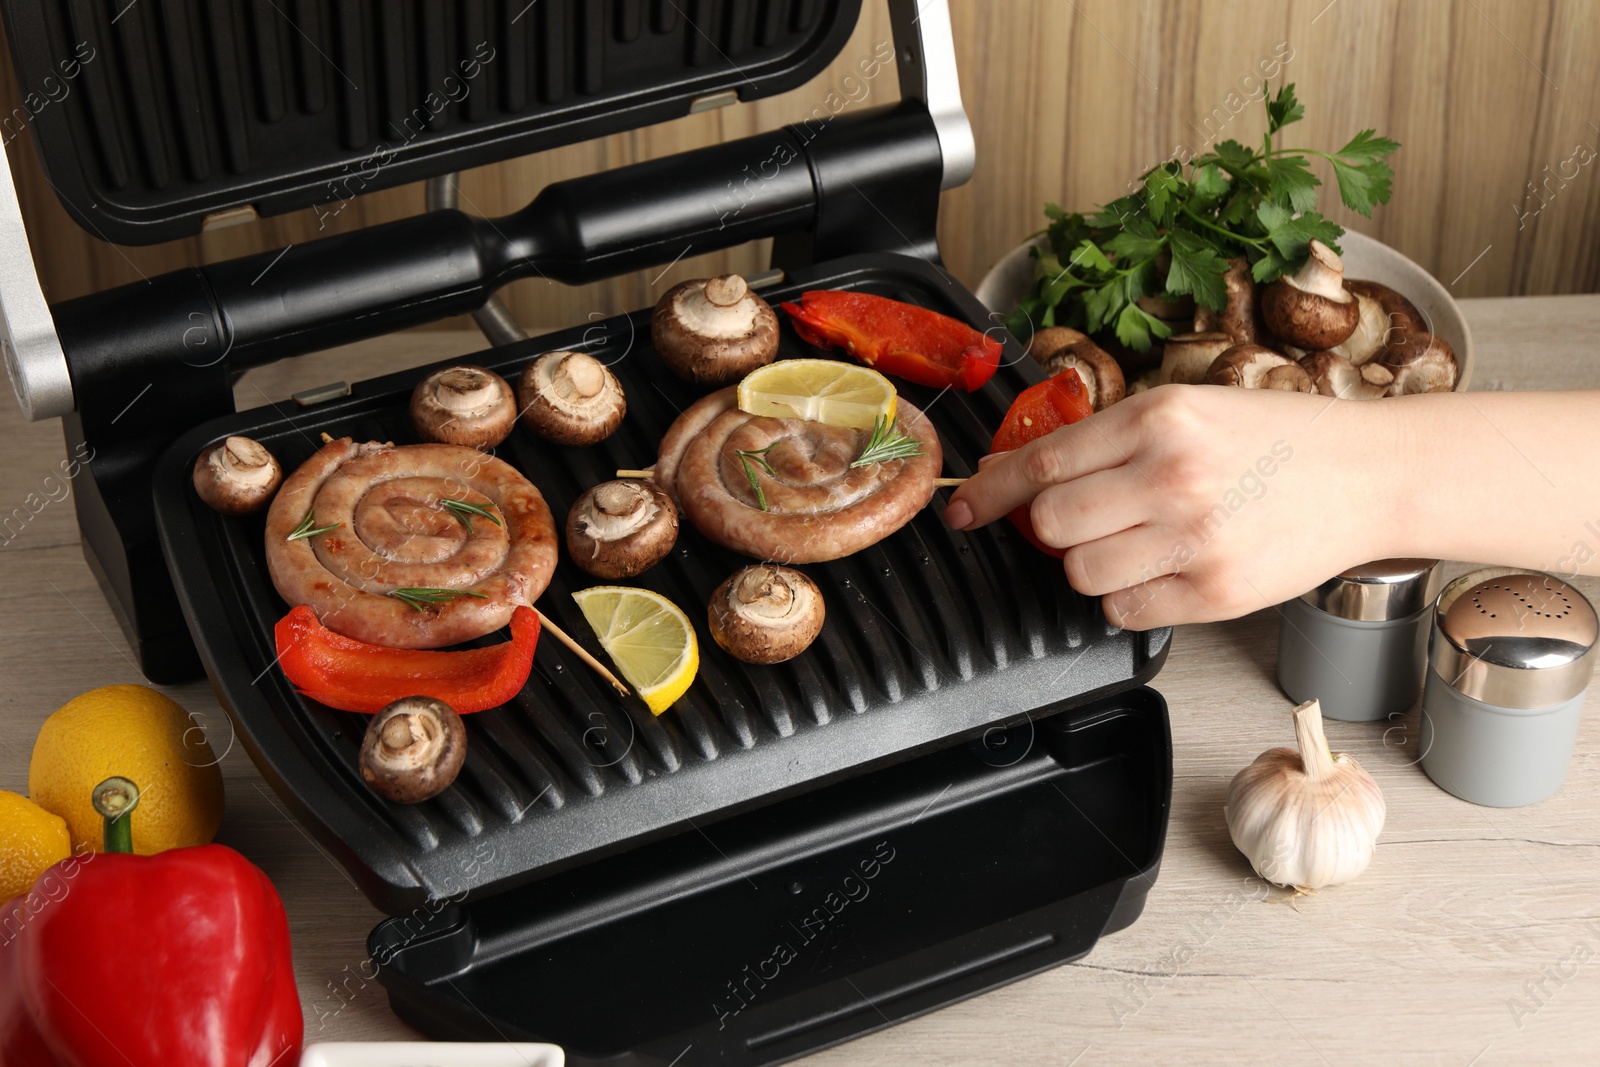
[
  {"x": 115, "y": 799},
  {"x": 1315, "y": 755}
]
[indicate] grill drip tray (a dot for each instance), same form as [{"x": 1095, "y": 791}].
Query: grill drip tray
[{"x": 788, "y": 929}]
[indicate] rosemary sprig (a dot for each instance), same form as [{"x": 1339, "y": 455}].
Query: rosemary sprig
[
  {"x": 760, "y": 456},
  {"x": 420, "y": 597},
  {"x": 464, "y": 511},
  {"x": 887, "y": 443},
  {"x": 308, "y": 528}
]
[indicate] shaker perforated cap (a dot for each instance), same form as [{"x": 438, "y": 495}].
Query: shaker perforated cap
[
  {"x": 1514, "y": 639},
  {"x": 1378, "y": 591}
]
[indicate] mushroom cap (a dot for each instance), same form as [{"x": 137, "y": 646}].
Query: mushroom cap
[
  {"x": 1334, "y": 375},
  {"x": 1244, "y": 366},
  {"x": 1058, "y": 348},
  {"x": 464, "y": 405},
  {"x": 1386, "y": 318},
  {"x": 1289, "y": 378},
  {"x": 413, "y": 749},
  {"x": 766, "y": 613},
  {"x": 1311, "y": 308},
  {"x": 713, "y": 331},
  {"x": 1241, "y": 318},
  {"x": 1186, "y": 357},
  {"x": 237, "y": 476},
  {"x": 571, "y": 398},
  {"x": 1422, "y": 363},
  {"x": 620, "y": 528}
]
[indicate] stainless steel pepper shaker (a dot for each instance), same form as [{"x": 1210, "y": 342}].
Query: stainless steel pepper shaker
[
  {"x": 1510, "y": 655},
  {"x": 1358, "y": 641}
]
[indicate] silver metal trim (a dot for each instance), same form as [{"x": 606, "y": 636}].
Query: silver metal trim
[
  {"x": 34, "y": 360},
  {"x": 925, "y": 56},
  {"x": 1380, "y": 591}
]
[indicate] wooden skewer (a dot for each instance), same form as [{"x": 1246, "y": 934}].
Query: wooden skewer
[
  {"x": 948, "y": 483},
  {"x": 326, "y": 439},
  {"x": 581, "y": 652},
  {"x": 938, "y": 483},
  {"x": 647, "y": 474}
]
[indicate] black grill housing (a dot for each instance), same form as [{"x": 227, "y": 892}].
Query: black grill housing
[{"x": 932, "y": 636}]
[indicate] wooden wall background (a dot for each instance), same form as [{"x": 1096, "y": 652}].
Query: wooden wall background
[{"x": 1072, "y": 99}]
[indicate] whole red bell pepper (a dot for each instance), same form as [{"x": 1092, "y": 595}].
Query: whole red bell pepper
[
  {"x": 1036, "y": 411},
  {"x": 352, "y": 675},
  {"x": 149, "y": 961},
  {"x": 897, "y": 338}
]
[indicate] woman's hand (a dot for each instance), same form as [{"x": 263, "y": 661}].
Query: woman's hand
[{"x": 1195, "y": 503}]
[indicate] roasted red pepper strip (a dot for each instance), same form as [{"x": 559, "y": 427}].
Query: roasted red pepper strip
[
  {"x": 1038, "y": 410},
  {"x": 352, "y": 675},
  {"x": 149, "y": 961},
  {"x": 897, "y": 338}
]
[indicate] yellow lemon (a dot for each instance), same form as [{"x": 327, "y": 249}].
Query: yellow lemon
[
  {"x": 31, "y": 842},
  {"x": 647, "y": 636},
  {"x": 821, "y": 390},
  {"x": 135, "y": 732}
]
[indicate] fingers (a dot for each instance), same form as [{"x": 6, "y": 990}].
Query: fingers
[
  {"x": 1091, "y": 507},
  {"x": 1068, "y": 453},
  {"x": 1123, "y": 560},
  {"x": 1168, "y": 601}
]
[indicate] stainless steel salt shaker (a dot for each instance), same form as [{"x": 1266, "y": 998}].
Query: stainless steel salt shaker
[
  {"x": 1510, "y": 655},
  {"x": 1358, "y": 642}
]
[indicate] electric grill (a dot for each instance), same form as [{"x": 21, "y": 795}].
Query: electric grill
[{"x": 962, "y": 782}]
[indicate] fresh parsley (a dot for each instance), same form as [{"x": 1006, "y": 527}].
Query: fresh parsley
[
  {"x": 1176, "y": 235},
  {"x": 887, "y": 443}
]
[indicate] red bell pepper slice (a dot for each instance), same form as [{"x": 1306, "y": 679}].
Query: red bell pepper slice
[
  {"x": 177, "y": 958},
  {"x": 1036, "y": 411},
  {"x": 897, "y": 338},
  {"x": 352, "y": 675}
]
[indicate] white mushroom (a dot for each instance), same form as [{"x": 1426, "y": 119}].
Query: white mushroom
[
  {"x": 1311, "y": 308},
  {"x": 1058, "y": 348},
  {"x": 621, "y": 528},
  {"x": 766, "y": 614},
  {"x": 1422, "y": 363},
  {"x": 1334, "y": 375},
  {"x": 714, "y": 330},
  {"x": 464, "y": 405},
  {"x": 571, "y": 398},
  {"x": 237, "y": 477},
  {"x": 1186, "y": 357},
  {"x": 413, "y": 749}
]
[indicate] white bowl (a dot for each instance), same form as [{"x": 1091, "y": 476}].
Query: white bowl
[{"x": 1008, "y": 282}]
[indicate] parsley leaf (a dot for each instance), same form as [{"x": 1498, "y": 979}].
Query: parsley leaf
[
  {"x": 1283, "y": 109},
  {"x": 1291, "y": 184},
  {"x": 1197, "y": 268}
]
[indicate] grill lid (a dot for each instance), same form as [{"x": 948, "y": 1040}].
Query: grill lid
[{"x": 153, "y": 117}]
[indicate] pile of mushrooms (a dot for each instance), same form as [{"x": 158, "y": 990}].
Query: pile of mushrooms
[{"x": 1311, "y": 331}]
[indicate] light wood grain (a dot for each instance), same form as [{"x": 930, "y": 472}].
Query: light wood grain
[
  {"x": 1070, "y": 101},
  {"x": 1418, "y": 962}
]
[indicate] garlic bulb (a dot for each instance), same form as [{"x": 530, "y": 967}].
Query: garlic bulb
[{"x": 1305, "y": 819}]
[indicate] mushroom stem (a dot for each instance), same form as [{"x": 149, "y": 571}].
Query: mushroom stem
[
  {"x": 581, "y": 652},
  {"x": 247, "y": 460},
  {"x": 1323, "y": 274},
  {"x": 465, "y": 391},
  {"x": 726, "y": 290},
  {"x": 579, "y": 374}
]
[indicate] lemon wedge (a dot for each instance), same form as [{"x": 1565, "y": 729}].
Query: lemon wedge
[
  {"x": 647, "y": 636},
  {"x": 821, "y": 390}
]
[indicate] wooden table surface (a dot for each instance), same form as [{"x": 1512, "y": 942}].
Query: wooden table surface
[{"x": 1474, "y": 938}]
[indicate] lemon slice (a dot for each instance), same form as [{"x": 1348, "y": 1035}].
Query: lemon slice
[
  {"x": 821, "y": 390},
  {"x": 647, "y": 636}
]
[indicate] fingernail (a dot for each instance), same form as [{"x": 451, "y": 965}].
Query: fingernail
[
  {"x": 958, "y": 516},
  {"x": 990, "y": 458}
]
